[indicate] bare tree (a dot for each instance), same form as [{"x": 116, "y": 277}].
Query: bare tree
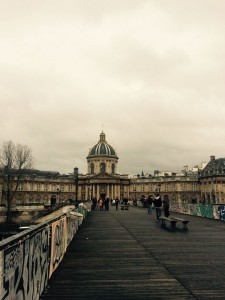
[{"x": 14, "y": 160}]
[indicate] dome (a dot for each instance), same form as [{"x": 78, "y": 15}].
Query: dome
[{"x": 102, "y": 148}]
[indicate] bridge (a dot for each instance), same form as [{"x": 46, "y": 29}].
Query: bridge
[
  {"x": 122, "y": 254},
  {"x": 125, "y": 254}
]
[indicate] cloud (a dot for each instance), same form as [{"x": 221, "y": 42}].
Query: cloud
[{"x": 151, "y": 72}]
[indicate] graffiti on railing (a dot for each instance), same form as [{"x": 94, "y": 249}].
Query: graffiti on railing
[
  {"x": 72, "y": 227},
  {"x": 26, "y": 266},
  {"x": 25, "y": 262},
  {"x": 221, "y": 212},
  {"x": 58, "y": 244},
  {"x": 206, "y": 211},
  {"x": 201, "y": 210}
]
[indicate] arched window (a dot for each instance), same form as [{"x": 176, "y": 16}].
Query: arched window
[
  {"x": 113, "y": 168},
  {"x": 92, "y": 168},
  {"x": 102, "y": 167}
]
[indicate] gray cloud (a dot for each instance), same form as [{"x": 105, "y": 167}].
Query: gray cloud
[{"x": 151, "y": 71}]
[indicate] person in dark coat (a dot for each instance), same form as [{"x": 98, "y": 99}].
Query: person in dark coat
[
  {"x": 94, "y": 203},
  {"x": 125, "y": 201},
  {"x": 166, "y": 206},
  {"x": 158, "y": 206},
  {"x": 117, "y": 202},
  {"x": 106, "y": 203},
  {"x": 149, "y": 202}
]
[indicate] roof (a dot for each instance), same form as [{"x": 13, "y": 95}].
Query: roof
[
  {"x": 102, "y": 148},
  {"x": 215, "y": 167}
]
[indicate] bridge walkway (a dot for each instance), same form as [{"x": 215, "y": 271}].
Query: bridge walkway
[{"x": 127, "y": 255}]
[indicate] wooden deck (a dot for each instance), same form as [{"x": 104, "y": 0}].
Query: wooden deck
[{"x": 127, "y": 255}]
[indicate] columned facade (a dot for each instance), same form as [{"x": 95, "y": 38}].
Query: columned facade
[
  {"x": 102, "y": 178},
  {"x": 101, "y": 187},
  {"x": 43, "y": 189}
]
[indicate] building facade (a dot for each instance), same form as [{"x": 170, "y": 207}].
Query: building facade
[
  {"x": 102, "y": 178},
  {"x": 178, "y": 188},
  {"x": 212, "y": 182},
  {"x": 39, "y": 189}
]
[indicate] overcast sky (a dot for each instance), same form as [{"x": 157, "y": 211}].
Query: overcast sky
[{"x": 152, "y": 72}]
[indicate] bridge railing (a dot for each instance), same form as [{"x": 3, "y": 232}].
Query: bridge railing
[
  {"x": 213, "y": 211},
  {"x": 28, "y": 259}
]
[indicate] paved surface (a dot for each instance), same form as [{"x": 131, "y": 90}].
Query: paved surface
[{"x": 127, "y": 255}]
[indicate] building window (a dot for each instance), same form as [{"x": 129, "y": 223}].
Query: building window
[
  {"x": 183, "y": 186},
  {"x": 113, "y": 168},
  {"x": 134, "y": 188},
  {"x": 193, "y": 186},
  {"x": 20, "y": 187},
  {"x": 102, "y": 167},
  {"x": 38, "y": 186},
  {"x": 150, "y": 187},
  {"x": 92, "y": 168},
  {"x": 142, "y": 187},
  {"x": 70, "y": 188},
  {"x": 62, "y": 188},
  {"x": 45, "y": 187}
]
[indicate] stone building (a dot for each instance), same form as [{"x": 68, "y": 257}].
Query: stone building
[
  {"x": 39, "y": 190},
  {"x": 178, "y": 188},
  {"x": 212, "y": 181},
  {"x": 102, "y": 178}
]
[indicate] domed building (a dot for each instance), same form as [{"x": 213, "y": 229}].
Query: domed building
[
  {"x": 102, "y": 178},
  {"x": 102, "y": 158}
]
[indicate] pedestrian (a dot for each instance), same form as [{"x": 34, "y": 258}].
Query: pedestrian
[
  {"x": 166, "y": 206},
  {"x": 149, "y": 202},
  {"x": 117, "y": 202},
  {"x": 94, "y": 203},
  {"x": 125, "y": 201},
  {"x": 158, "y": 206},
  {"x": 144, "y": 201},
  {"x": 106, "y": 203},
  {"x": 100, "y": 203},
  {"x": 135, "y": 201}
]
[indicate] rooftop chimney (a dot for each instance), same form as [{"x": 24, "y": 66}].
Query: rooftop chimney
[{"x": 212, "y": 157}]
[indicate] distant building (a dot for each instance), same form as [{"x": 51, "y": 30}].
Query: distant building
[
  {"x": 194, "y": 169},
  {"x": 102, "y": 178},
  {"x": 212, "y": 180},
  {"x": 179, "y": 188},
  {"x": 42, "y": 189}
]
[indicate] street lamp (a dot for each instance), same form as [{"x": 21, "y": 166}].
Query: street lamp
[{"x": 75, "y": 173}]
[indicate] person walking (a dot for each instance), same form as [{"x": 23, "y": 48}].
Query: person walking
[
  {"x": 94, "y": 203},
  {"x": 149, "y": 202},
  {"x": 106, "y": 203},
  {"x": 117, "y": 202},
  {"x": 166, "y": 206},
  {"x": 158, "y": 206},
  {"x": 100, "y": 203}
]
